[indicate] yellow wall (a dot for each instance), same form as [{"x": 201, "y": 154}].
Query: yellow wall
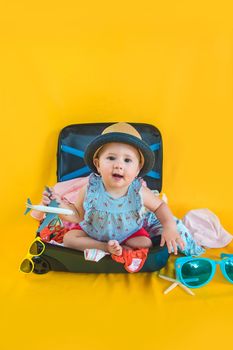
[{"x": 169, "y": 63}]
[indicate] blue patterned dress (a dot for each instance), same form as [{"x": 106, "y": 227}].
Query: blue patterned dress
[{"x": 111, "y": 218}]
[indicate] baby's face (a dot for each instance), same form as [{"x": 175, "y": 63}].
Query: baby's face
[{"x": 118, "y": 164}]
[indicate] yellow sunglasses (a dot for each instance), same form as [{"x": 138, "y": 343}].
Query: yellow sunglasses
[{"x": 36, "y": 249}]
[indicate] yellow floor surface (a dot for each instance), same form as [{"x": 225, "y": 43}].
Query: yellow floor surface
[{"x": 62, "y": 310}]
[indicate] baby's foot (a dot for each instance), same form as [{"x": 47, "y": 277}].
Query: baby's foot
[{"x": 114, "y": 247}]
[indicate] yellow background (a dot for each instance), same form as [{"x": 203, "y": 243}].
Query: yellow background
[{"x": 167, "y": 63}]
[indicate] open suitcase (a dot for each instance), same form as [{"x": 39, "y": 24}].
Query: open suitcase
[{"x": 70, "y": 164}]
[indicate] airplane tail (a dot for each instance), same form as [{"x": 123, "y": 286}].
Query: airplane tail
[{"x": 28, "y": 204}]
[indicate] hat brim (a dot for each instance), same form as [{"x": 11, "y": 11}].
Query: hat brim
[{"x": 101, "y": 140}]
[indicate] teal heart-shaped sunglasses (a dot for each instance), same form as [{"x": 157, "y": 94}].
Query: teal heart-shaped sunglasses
[{"x": 197, "y": 272}]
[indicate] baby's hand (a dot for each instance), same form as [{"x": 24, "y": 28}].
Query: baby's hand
[
  {"x": 45, "y": 198},
  {"x": 172, "y": 239},
  {"x": 48, "y": 195}
]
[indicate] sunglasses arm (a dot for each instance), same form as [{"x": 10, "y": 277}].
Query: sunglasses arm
[{"x": 225, "y": 255}]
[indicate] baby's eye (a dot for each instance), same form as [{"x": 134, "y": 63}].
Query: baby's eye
[
  {"x": 111, "y": 158},
  {"x": 128, "y": 160}
]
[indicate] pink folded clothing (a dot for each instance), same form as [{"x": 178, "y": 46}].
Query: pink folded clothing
[
  {"x": 206, "y": 228},
  {"x": 69, "y": 189},
  {"x": 66, "y": 190}
]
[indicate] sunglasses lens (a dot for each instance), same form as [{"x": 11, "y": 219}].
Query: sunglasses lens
[
  {"x": 26, "y": 266},
  {"x": 229, "y": 269},
  {"x": 196, "y": 273},
  {"x": 36, "y": 248}
]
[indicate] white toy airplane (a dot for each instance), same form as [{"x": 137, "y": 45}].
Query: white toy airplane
[{"x": 54, "y": 209}]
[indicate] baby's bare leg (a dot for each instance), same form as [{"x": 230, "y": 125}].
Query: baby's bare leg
[
  {"x": 139, "y": 242},
  {"x": 78, "y": 239}
]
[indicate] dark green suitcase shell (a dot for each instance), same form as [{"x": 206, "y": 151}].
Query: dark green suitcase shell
[
  {"x": 56, "y": 258},
  {"x": 70, "y": 164}
]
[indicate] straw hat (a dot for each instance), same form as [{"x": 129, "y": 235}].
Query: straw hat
[{"x": 124, "y": 133}]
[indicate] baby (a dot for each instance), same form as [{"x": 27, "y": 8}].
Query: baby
[{"x": 109, "y": 209}]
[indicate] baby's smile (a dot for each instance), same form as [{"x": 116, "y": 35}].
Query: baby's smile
[{"x": 117, "y": 176}]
